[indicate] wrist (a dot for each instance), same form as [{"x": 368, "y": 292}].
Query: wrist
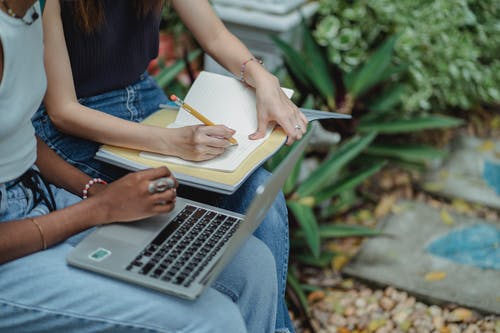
[
  {"x": 256, "y": 76},
  {"x": 91, "y": 186},
  {"x": 96, "y": 188}
]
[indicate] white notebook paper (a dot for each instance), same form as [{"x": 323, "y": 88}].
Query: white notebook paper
[{"x": 223, "y": 100}]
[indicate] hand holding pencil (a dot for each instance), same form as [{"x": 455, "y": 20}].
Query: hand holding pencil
[{"x": 197, "y": 115}]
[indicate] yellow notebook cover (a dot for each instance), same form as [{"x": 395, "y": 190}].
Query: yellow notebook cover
[{"x": 217, "y": 181}]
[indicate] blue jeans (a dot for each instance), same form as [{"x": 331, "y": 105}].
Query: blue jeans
[
  {"x": 41, "y": 293},
  {"x": 135, "y": 103}
]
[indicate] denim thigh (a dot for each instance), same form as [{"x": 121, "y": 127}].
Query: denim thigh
[{"x": 133, "y": 103}]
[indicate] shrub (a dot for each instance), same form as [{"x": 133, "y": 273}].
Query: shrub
[{"x": 451, "y": 46}]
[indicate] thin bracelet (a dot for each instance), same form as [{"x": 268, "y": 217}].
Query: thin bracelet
[
  {"x": 244, "y": 66},
  {"x": 39, "y": 227},
  {"x": 91, "y": 182}
]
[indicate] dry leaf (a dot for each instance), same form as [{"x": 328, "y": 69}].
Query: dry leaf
[
  {"x": 339, "y": 261},
  {"x": 364, "y": 215},
  {"x": 435, "y": 276},
  {"x": 461, "y": 314},
  {"x": 376, "y": 324},
  {"x": 384, "y": 206},
  {"x": 446, "y": 217},
  {"x": 445, "y": 329},
  {"x": 434, "y": 186},
  {"x": 487, "y": 145},
  {"x": 461, "y": 206},
  {"x": 315, "y": 296}
]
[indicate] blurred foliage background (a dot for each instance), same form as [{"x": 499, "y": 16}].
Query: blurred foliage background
[{"x": 451, "y": 47}]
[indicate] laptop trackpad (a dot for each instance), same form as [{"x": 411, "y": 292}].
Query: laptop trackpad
[{"x": 134, "y": 232}]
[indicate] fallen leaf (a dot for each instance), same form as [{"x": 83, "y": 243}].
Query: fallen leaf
[
  {"x": 339, "y": 261},
  {"x": 446, "y": 217},
  {"x": 434, "y": 186},
  {"x": 434, "y": 276},
  {"x": 347, "y": 284},
  {"x": 315, "y": 296},
  {"x": 384, "y": 206},
  {"x": 461, "y": 206},
  {"x": 461, "y": 314},
  {"x": 376, "y": 324},
  {"x": 445, "y": 329},
  {"x": 364, "y": 215},
  {"x": 487, "y": 145}
]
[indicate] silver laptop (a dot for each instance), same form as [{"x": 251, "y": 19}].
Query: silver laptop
[{"x": 183, "y": 251}]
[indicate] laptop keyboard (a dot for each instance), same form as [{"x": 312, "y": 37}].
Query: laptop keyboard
[{"x": 181, "y": 251}]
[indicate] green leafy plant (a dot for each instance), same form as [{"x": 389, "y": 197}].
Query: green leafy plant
[
  {"x": 367, "y": 93},
  {"x": 378, "y": 133},
  {"x": 451, "y": 46}
]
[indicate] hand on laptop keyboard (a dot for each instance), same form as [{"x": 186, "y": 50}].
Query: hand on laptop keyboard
[{"x": 138, "y": 195}]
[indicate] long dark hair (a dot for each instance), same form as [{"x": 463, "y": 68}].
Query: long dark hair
[{"x": 89, "y": 14}]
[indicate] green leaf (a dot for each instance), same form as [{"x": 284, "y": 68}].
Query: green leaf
[
  {"x": 385, "y": 102},
  {"x": 344, "y": 230},
  {"x": 317, "y": 65},
  {"x": 373, "y": 71},
  {"x": 293, "y": 58},
  {"x": 407, "y": 152},
  {"x": 322, "y": 261},
  {"x": 324, "y": 174},
  {"x": 294, "y": 283},
  {"x": 168, "y": 74},
  {"x": 346, "y": 201},
  {"x": 307, "y": 221},
  {"x": 350, "y": 181},
  {"x": 410, "y": 125}
]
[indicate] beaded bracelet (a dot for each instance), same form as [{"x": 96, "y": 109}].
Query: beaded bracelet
[
  {"x": 91, "y": 182},
  {"x": 244, "y": 66}
]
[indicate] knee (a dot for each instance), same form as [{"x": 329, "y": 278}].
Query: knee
[
  {"x": 252, "y": 272},
  {"x": 262, "y": 274}
]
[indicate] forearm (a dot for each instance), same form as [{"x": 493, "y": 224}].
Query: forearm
[
  {"x": 75, "y": 119},
  {"x": 57, "y": 171},
  {"x": 22, "y": 237}
]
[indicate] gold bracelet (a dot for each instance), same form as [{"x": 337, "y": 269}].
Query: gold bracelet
[{"x": 44, "y": 244}]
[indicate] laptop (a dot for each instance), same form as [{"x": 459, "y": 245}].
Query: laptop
[{"x": 183, "y": 251}]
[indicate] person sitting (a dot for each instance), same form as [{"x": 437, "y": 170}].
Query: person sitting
[
  {"x": 98, "y": 93},
  {"x": 42, "y": 218}
]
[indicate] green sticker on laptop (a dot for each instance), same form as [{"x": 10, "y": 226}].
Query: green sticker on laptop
[{"x": 99, "y": 254}]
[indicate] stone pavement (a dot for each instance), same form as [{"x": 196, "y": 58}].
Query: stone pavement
[
  {"x": 401, "y": 260},
  {"x": 461, "y": 174}
]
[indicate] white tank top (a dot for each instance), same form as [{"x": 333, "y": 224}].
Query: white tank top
[{"x": 22, "y": 88}]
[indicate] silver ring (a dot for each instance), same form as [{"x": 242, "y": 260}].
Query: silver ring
[
  {"x": 297, "y": 127},
  {"x": 160, "y": 185}
]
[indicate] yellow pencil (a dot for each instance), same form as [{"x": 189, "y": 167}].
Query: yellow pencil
[{"x": 196, "y": 114}]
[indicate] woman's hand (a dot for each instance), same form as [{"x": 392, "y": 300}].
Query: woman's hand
[
  {"x": 198, "y": 142},
  {"x": 129, "y": 198},
  {"x": 273, "y": 106}
]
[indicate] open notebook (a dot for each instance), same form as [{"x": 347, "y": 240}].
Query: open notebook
[
  {"x": 223, "y": 100},
  {"x": 209, "y": 179}
]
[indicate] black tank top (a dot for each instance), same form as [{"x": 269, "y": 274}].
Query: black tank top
[{"x": 114, "y": 55}]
